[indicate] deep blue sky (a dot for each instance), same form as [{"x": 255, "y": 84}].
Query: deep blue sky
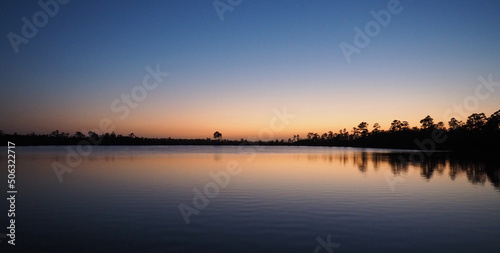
[{"x": 229, "y": 75}]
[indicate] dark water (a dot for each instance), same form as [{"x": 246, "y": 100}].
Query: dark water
[{"x": 279, "y": 199}]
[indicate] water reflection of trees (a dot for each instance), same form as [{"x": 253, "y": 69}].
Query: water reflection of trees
[
  {"x": 478, "y": 170},
  {"x": 361, "y": 161},
  {"x": 430, "y": 164}
]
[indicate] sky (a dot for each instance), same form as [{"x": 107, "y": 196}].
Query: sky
[{"x": 232, "y": 68}]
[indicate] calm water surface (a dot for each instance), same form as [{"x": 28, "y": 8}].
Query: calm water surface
[{"x": 277, "y": 199}]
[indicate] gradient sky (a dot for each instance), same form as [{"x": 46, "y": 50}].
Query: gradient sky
[{"x": 229, "y": 75}]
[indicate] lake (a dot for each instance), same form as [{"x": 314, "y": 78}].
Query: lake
[{"x": 253, "y": 199}]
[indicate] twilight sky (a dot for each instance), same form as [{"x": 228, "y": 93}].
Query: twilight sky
[{"x": 230, "y": 75}]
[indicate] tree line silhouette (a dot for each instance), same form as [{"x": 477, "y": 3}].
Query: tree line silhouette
[{"x": 477, "y": 133}]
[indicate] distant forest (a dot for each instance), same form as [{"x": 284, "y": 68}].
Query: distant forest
[{"x": 478, "y": 133}]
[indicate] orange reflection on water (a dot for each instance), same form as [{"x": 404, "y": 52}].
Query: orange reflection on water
[{"x": 328, "y": 169}]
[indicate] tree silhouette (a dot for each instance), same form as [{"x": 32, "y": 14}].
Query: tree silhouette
[
  {"x": 312, "y": 136},
  {"x": 79, "y": 135},
  {"x": 217, "y": 135},
  {"x": 324, "y": 136},
  {"x": 454, "y": 124},
  {"x": 405, "y": 125},
  {"x": 343, "y": 135},
  {"x": 330, "y": 135},
  {"x": 55, "y": 133},
  {"x": 93, "y": 135},
  {"x": 355, "y": 133},
  {"x": 395, "y": 126},
  {"x": 363, "y": 128},
  {"x": 427, "y": 122},
  {"x": 493, "y": 121},
  {"x": 476, "y": 121}
]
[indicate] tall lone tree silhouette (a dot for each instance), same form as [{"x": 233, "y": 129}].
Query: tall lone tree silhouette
[{"x": 217, "y": 135}]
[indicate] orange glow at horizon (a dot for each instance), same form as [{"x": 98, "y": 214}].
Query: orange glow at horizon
[{"x": 246, "y": 117}]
